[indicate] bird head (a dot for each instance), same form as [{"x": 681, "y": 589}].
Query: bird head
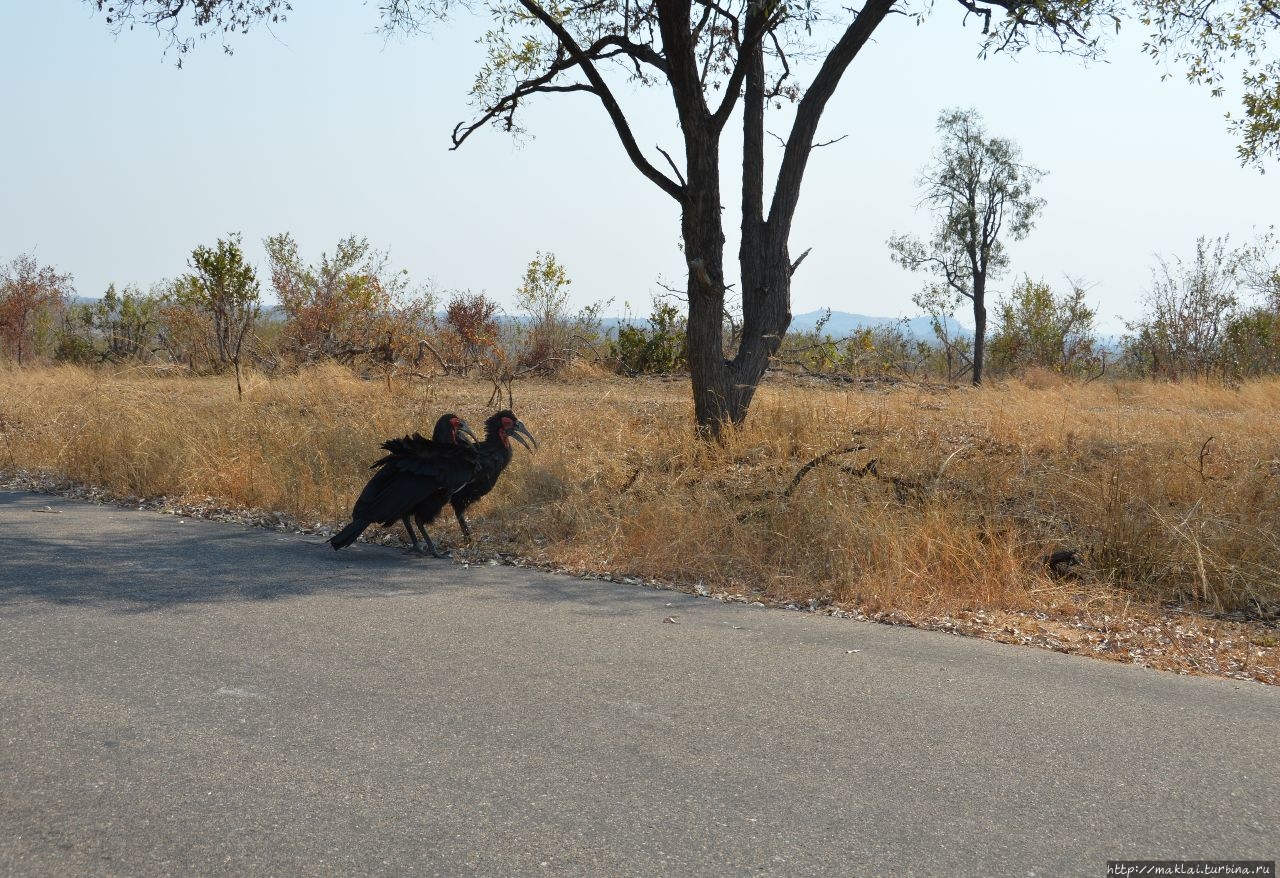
[
  {"x": 507, "y": 427},
  {"x": 448, "y": 427}
]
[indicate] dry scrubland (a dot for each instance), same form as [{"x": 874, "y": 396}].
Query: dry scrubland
[{"x": 970, "y": 490}]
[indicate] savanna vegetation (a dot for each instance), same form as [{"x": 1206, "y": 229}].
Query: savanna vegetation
[
  {"x": 1082, "y": 487},
  {"x": 1080, "y": 516},
  {"x": 869, "y": 478}
]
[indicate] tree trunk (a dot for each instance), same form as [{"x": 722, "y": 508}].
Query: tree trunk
[
  {"x": 766, "y": 314},
  {"x": 722, "y": 391},
  {"x": 763, "y": 260},
  {"x": 22, "y": 334},
  {"x": 704, "y": 251},
  {"x": 979, "y": 331}
]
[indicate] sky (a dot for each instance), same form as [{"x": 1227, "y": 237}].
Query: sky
[{"x": 115, "y": 164}]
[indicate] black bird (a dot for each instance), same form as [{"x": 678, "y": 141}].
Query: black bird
[
  {"x": 492, "y": 454},
  {"x": 448, "y": 430},
  {"x": 416, "y": 475}
]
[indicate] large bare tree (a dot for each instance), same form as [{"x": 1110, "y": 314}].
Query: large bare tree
[{"x": 720, "y": 61}]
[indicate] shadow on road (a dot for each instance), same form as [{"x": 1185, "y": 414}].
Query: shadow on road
[{"x": 136, "y": 561}]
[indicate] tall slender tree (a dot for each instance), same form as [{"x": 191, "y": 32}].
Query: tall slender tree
[{"x": 980, "y": 192}]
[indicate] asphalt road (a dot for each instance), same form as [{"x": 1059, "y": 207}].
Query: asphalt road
[{"x": 181, "y": 697}]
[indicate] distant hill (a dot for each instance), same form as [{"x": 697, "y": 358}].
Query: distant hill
[{"x": 843, "y": 323}]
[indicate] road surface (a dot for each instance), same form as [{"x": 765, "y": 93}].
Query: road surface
[{"x": 184, "y": 697}]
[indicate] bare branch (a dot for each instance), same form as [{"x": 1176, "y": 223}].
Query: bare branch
[
  {"x": 868, "y": 468},
  {"x": 583, "y": 59},
  {"x": 786, "y": 66},
  {"x": 800, "y": 144},
  {"x": 733, "y": 87},
  {"x": 977, "y": 10},
  {"x": 667, "y": 156}
]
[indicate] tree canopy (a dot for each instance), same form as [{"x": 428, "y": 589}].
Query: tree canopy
[{"x": 1214, "y": 41}]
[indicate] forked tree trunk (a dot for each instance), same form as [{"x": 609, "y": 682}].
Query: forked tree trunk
[
  {"x": 722, "y": 389},
  {"x": 763, "y": 260}
]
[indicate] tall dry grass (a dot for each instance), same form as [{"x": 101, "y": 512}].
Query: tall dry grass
[{"x": 1170, "y": 492}]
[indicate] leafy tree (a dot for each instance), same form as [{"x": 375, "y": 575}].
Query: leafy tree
[
  {"x": 350, "y": 307},
  {"x": 980, "y": 191},
  {"x": 185, "y": 329},
  {"x": 1253, "y": 333},
  {"x": 471, "y": 331},
  {"x": 713, "y": 58},
  {"x": 939, "y": 303},
  {"x": 76, "y": 340},
  {"x": 1036, "y": 327},
  {"x": 659, "y": 346},
  {"x": 119, "y": 326},
  {"x": 544, "y": 296},
  {"x": 1188, "y": 309},
  {"x": 33, "y": 298},
  {"x": 127, "y": 322},
  {"x": 1211, "y": 38},
  {"x": 225, "y": 287},
  {"x": 1252, "y": 343}
]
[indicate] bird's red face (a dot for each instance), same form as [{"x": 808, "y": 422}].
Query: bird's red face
[
  {"x": 460, "y": 429},
  {"x": 509, "y": 427}
]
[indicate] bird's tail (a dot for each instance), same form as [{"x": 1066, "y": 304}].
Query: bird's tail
[{"x": 348, "y": 534}]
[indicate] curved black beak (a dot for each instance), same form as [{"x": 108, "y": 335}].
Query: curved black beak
[
  {"x": 517, "y": 429},
  {"x": 463, "y": 428}
]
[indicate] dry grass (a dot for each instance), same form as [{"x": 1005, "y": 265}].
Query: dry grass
[{"x": 971, "y": 488}]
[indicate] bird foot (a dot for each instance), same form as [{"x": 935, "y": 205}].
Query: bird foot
[{"x": 432, "y": 552}]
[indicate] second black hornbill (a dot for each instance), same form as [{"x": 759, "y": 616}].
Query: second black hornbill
[
  {"x": 493, "y": 453},
  {"x": 414, "y": 480}
]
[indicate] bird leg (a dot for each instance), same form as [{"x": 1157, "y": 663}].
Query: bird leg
[
  {"x": 462, "y": 522},
  {"x": 413, "y": 537},
  {"x": 431, "y": 547}
]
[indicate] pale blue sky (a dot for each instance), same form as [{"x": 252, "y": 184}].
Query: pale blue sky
[{"x": 116, "y": 164}]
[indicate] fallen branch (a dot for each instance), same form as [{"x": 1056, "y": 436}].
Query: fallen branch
[{"x": 869, "y": 467}]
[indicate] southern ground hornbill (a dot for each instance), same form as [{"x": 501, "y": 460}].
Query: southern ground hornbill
[
  {"x": 493, "y": 454},
  {"x": 415, "y": 480}
]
